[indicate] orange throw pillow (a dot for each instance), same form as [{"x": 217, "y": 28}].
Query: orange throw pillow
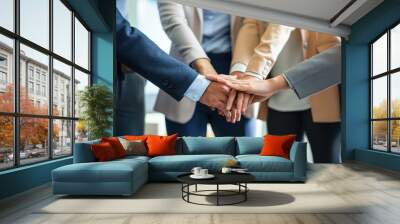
[
  {"x": 277, "y": 145},
  {"x": 116, "y": 145},
  {"x": 161, "y": 145},
  {"x": 103, "y": 152}
]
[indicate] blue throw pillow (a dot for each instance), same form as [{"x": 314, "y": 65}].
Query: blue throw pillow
[
  {"x": 204, "y": 145},
  {"x": 249, "y": 145}
]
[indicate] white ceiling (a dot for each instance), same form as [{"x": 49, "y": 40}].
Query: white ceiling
[
  {"x": 318, "y": 15},
  {"x": 322, "y": 9}
]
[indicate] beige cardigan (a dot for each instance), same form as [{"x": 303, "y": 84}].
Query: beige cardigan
[{"x": 325, "y": 105}]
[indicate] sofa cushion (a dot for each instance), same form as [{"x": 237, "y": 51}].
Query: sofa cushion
[
  {"x": 83, "y": 152},
  {"x": 112, "y": 171},
  {"x": 161, "y": 145},
  {"x": 257, "y": 163},
  {"x": 116, "y": 145},
  {"x": 203, "y": 145},
  {"x": 277, "y": 145},
  {"x": 103, "y": 152},
  {"x": 134, "y": 147},
  {"x": 249, "y": 145},
  {"x": 185, "y": 163}
]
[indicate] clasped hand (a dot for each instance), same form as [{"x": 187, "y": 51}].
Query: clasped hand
[{"x": 232, "y": 94}]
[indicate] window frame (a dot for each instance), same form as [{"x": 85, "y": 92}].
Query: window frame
[
  {"x": 16, "y": 115},
  {"x": 388, "y": 74}
]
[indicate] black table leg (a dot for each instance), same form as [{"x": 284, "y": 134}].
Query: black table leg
[
  {"x": 217, "y": 194},
  {"x": 196, "y": 187},
  {"x": 245, "y": 193},
  {"x": 188, "y": 190}
]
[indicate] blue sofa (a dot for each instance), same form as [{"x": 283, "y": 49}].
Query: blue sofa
[{"x": 125, "y": 176}]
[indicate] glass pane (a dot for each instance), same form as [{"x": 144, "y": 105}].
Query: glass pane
[
  {"x": 379, "y": 55},
  {"x": 62, "y": 138},
  {"x": 379, "y": 135},
  {"x": 81, "y": 131},
  {"x": 395, "y": 95},
  {"x": 6, "y": 74},
  {"x": 6, "y": 142},
  {"x": 395, "y": 47},
  {"x": 62, "y": 29},
  {"x": 81, "y": 81},
  {"x": 379, "y": 97},
  {"x": 35, "y": 21},
  {"x": 33, "y": 139},
  {"x": 81, "y": 45},
  {"x": 7, "y": 14},
  {"x": 34, "y": 92},
  {"x": 62, "y": 89},
  {"x": 395, "y": 136}
]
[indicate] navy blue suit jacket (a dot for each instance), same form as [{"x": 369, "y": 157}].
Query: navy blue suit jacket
[{"x": 143, "y": 56}]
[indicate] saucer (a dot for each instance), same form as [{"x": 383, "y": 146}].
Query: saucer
[{"x": 208, "y": 176}]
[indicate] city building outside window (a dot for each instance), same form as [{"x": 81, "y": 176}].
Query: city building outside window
[
  {"x": 35, "y": 127},
  {"x": 385, "y": 91}
]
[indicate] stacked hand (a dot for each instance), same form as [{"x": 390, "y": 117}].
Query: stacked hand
[
  {"x": 232, "y": 94},
  {"x": 246, "y": 90}
]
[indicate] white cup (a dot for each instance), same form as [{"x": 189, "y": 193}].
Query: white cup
[
  {"x": 226, "y": 170},
  {"x": 196, "y": 171},
  {"x": 203, "y": 172}
]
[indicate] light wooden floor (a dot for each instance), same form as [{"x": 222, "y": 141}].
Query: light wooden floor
[{"x": 380, "y": 189}]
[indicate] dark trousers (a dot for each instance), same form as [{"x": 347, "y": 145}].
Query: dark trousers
[
  {"x": 197, "y": 125},
  {"x": 130, "y": 111},
  {"x": 324, "y": 138}
]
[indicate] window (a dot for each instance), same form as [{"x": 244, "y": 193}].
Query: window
[
  {"x": 30, "y": 72},
  {"x": 44, "y": 91},
  {"x": 62, "y": 30},
  {"x": 37, "y": 89},
  {"x": 39, "y": 129},
  {"x": 7, "y": 14},
  {"x": 3, "y": 61},
  {"x": 38, "y": 72},
  {"x": 385, "y": 91},
  {"x": 62, "y": 74},
  {"x": 30, "y": 88},
  {"x": 81, "y": 45},
  {"x": 34, "y": 22},
  {"x": 3, "y": 78}
]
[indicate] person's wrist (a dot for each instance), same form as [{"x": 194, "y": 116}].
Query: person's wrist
[
  {"x": 255, "y": 75},
  {"x": 278, "y": 83},
  {"x": 203, "y": 66}
]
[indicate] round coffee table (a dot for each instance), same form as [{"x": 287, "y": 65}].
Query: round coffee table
[{"x": 238, "y": 179}]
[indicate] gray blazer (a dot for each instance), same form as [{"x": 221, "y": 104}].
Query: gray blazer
[
  {"x": 184, "y": 26},
  {"x": 316, "y": 73}
]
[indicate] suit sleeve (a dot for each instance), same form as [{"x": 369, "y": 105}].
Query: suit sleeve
[
  {"x": 316, "y": 73},
  {"x": 175, "y": 25},
  {"x": 143, "y": 56}
]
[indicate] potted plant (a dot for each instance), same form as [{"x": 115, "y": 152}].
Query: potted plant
[{"x": 96, "y": 103}]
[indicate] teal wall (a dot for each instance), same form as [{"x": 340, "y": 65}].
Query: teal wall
[
  {"x": 355, "y": 84},
  {"x": 99, "y": 17},
  {"x": 24, "y": 178}
]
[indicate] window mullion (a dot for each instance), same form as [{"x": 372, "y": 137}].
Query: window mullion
[
  {"x": 50, "y": 81},
  {"x": 389, "y": 104},
  {"x": 73, "y": 82},
  {"x": 16, "y": 84}
]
